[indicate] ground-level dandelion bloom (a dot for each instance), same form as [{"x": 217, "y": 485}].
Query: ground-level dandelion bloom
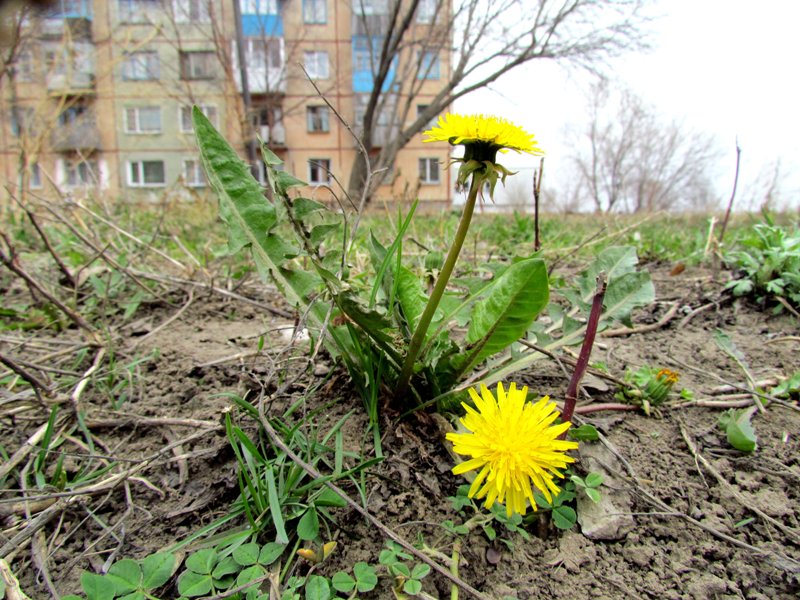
[
  {"x": 513, "y": 445},
  {"x": 487, "y": 130}
]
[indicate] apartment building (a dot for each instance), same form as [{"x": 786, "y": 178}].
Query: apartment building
[{"x": 100, "y": 94}]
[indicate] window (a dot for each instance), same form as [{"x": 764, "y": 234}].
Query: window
[
  {"x": 193, "y": 174},
  {"x": 370, "y": 7},
  {"x": 34, "y": 176},
  {"x": 24, "y": 67},
  {"x": 22, "y": 121},
  {"x": 315, "y": 12},
  {"x": 429, "y": 170},
  {"x": 192, "y": 11},
  {"x": 429, "y": 65},
  {"x": 141, "y": 66},
  {"x": 263, "y": 53},
  {"x": 421, "y": 108},
  {"x": 426, "y": 10},
  {"x": 72, "y": 114},
  {"x": 319, "y": 170},
  {"x": 363, "y": 54},
  {"x": 137, "y": 11},
  {"x": 143, "y": 119},
  {"x": 198, "y": 65},
  {"x": 80, "y": 173},
  {"x": 316, "y": 64},
  {"x": 259, "y": 7},
  {"x": 146, "y": 173},
  {"x": 185, "y": 116},
  {"x": 317, "y": 119}
]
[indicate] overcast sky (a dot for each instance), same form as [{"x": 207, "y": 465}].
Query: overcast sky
[{"x": 728, "y": 67}]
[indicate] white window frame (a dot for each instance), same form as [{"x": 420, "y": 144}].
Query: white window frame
[
  {"x": 316, "y": 166},
  {"x": 185, "y": 116},
  {"x": 194, "y": 176},
  {"x": 260, "y": 52},
  {"x": 317, "y": 64},
  {"x": 315, "y": 12},
  {"x": 137, "y": 11},
  {"x": 365, "y": 8},
  {"x": 87, "y": 171},
  {"x": 318, "y": 119},
  {"x": 142, "y": 66},
  {"x": 431, "y": 166},
  {"x": 430, "y": 65},
  {"x": 189, "y": 64},
  {"x": 259, "y": 7},
  {"x": 426, "y": 11},
  {"x": 137, "y": 166},
  {"x": 192, "y": 11},
  {"x": 133, "y": 113}
]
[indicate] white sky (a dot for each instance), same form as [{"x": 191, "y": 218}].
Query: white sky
[{"x": 728, "y": 67}]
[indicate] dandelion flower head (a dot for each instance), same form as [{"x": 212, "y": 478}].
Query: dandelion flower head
[
  {"x": 494, "y": 132},
  {"x": 513, "y": 445}
]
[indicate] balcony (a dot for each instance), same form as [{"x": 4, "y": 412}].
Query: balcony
[
  {"x": 274, "y": 135},
  {"x": 369, "y": 25},
  {"x": 70, "y": 84},
  {"x": 73, "y": 28},
  {"x": 381, "y": 134},
  {"x": 80, "y": 134}
]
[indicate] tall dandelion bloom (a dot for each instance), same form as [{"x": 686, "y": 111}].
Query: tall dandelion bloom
[
  {"x": 482, "y": 137},
  {"x": 513, "y": 445}
]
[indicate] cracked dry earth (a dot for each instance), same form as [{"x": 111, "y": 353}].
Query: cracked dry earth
[{"x": 686, "y": 516}]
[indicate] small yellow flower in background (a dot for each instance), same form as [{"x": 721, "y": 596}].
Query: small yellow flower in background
[
  {"x": 482, "y": 137},
  {"x": 513, "y": 445}
]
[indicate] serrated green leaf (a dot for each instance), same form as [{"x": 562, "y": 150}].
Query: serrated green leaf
[
  {"x": 157, "y": 569},
  {"x": 625, "y": 293},
  {"x": 250, "y": 217},
  {"x": 506, "y": 313},
  {"x": 412, "y": 297},
  {"x": 739, "y": 431},
  {"x": 284, "y": 181},
  {"x": 305, "y": 206}
]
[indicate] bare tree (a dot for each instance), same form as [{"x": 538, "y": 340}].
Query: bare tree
[
  {"x": 479, "y": 41},
  {"x": 628, "y": 160}
]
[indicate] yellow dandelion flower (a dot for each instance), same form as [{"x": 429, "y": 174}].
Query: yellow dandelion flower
[
  {"x": 482, "y": 137},
  {"x": 492, "y": 132},
  {"x": 513, "y": 445}
]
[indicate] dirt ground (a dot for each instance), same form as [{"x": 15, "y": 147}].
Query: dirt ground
[{"x": 689, "y": 516}]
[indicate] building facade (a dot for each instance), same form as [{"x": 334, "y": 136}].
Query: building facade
[{"x": 99, "y": 94}]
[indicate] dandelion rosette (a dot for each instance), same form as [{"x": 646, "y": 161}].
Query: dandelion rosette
[
  {"x": 482, "y": 137},
  {"x": 513, "y": 445}
]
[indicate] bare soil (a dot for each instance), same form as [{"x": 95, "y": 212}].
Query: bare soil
[{"x": 695, "y": 519}]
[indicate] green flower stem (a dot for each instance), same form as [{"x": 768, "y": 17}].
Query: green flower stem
[{"x": 441, "y": 284}]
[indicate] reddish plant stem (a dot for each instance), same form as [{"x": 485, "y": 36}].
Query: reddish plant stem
[
  {"x": 586, "y": 349},
  {"x": 590, "y": 408}
]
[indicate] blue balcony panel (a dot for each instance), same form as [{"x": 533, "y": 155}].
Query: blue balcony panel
[{"x": 262, "y": 25}]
